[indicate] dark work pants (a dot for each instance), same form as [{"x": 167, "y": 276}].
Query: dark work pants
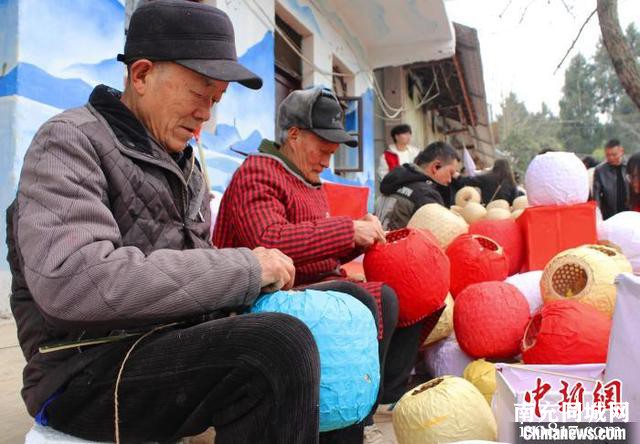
[
  {"x": 254, "y": 377},
  {"x": 401, "y": 358}
]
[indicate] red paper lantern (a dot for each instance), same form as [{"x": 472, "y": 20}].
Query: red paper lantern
[
  {"x": 490, "y": 319},
  {"x": 507, "y": 234},
  {"x": 414, "y": 265},
  {"x": 566, "y": 332},
  {"x": 474, "y": 259}
]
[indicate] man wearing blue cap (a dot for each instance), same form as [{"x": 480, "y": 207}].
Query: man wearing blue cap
[{"x": 121, "y": 303}]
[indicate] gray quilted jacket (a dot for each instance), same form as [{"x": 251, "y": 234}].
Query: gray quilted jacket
[{"x": 109, "y": 234}]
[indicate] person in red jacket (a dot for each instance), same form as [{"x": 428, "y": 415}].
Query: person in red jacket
[
  {"x": 399, "y": 152},
  {"x": 633, "y": 176},
  {"x": 274, "y": 200}
]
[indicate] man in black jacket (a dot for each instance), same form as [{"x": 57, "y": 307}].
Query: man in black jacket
[
  {"x": 609, "y": 182},
  {"x": 412, "y": 185}
]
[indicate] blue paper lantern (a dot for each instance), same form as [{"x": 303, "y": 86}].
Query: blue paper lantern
[{"x": 346, "y": 336}]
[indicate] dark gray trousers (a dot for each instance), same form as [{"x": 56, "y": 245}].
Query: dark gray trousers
[{"x": 254, "y": 377}]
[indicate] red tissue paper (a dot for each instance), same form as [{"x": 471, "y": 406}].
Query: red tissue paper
[
  {"x": 508, "y": 235},
  {"x": 413, "y": 264},
  {"x": 475, "y": 259},
  {"x": 566, "y": 332},
  {"x": 490, "y": 319}
]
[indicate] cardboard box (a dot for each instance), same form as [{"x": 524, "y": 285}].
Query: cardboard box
[
  {"x": 548, "y": 230},
  {"x": 513, "y": 381}
]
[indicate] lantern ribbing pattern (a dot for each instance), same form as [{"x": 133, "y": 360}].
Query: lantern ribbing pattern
[{"x": 444, "y": 224}]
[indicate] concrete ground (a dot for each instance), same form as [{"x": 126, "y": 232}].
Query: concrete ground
[{"x": 15, "y": 422}]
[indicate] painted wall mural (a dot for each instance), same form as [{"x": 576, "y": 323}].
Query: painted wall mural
[{"x": 54, "y": 53}]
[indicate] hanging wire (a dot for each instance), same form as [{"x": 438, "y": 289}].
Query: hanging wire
[{"x": 388, "y": 110}]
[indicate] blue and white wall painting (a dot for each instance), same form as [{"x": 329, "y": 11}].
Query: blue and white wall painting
[
  {"x": 244, "y": 117},
  {"x": 52, "y": 53}
]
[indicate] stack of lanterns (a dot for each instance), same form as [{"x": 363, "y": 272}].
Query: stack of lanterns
[
  {"x": 558, "y": 313},
  {"x": 468, "y": 206}
]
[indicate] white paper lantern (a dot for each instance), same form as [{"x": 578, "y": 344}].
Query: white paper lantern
[
  {"x": 622, "y": 231},
  {"x": 497, "y": 213},
  {"x": 529, "y": 286},
  {"x": 466, "y": 195},
  {"x": 520, "y": 203},
  {"x": 444, "y": 224},
  {"x": 498, "y": 203},
  {"x": 446, "y": 358},
  {"x": 473, "y": 212},
  {"x": 556, "y": 178}
]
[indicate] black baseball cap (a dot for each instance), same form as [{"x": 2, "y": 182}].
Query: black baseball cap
[
  {"x": 194, "y": 35},
  {"x": 317, "y": 110}
]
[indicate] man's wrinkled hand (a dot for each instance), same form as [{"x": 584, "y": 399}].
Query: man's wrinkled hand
[
  {"x": 367, "y": 231},
  {"x": 278, "y": 271}
]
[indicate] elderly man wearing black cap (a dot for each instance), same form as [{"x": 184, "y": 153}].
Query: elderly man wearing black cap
[
  {"x": 275, "y": 200},
  {"x": 121, "y": 303}
]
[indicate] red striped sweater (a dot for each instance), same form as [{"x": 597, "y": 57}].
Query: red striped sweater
[{"x": 267, "y": 204}]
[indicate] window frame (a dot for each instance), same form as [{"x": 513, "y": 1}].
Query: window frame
[{"x": 360, "y": 167}]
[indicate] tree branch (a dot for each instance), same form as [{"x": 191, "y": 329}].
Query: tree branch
[
  {"x": 525, "y": 11},
  {"x": 568, "y": 9},
  {"x": 622, "y": 56},
  {"x": 505, "y": 9},
  {"x": 566, "y": 54}
]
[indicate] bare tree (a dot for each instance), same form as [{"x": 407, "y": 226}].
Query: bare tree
[{"x": 622, "y": 57}]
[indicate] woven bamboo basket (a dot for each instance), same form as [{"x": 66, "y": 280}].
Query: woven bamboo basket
[{"x": 587, "y": 274}]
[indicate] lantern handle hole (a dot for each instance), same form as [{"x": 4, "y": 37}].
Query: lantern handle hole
[
  {"x": 397, "y": 235},
  {"x": 531, "y": 332},
  {"x": 426, "y": 386}
]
